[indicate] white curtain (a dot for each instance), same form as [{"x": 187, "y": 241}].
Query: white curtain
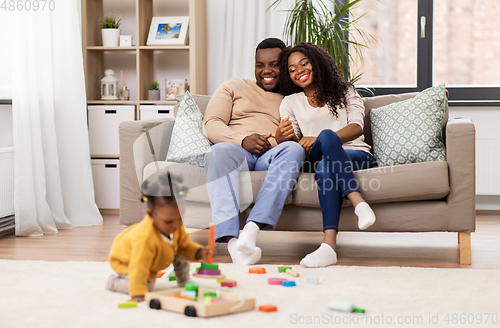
[
  {"x": 53, "y": 178},
  {"x": 235, "y": 28}
]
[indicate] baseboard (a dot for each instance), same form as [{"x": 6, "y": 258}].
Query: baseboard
[
  {"x": 109, "y": 211},
  {"x": 488, "y": 212}
]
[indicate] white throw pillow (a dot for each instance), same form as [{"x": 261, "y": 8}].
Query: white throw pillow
[
  {"x": 188, "y": 144},
  {"x": 410, "y": 131}
]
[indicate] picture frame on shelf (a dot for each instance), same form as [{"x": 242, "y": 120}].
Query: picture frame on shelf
[
  {"x": 174, "y": 88},
  {"x": 168, "y": 30}
]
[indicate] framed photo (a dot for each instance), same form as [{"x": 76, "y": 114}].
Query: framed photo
[
  {"x": 174, "y": 88},
  {"x": 168, "y": 30}
]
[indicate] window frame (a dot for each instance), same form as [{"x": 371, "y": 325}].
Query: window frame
[{"x": 458, "y": 95}]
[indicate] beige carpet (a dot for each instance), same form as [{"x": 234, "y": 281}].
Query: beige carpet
[{"x": 71, "y": 294}]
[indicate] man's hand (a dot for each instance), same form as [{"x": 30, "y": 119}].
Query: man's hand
[
  {"x": 285, "y": 131},
  {"x": 306, "y": 143},
  {"x": 256, "y": 143}
]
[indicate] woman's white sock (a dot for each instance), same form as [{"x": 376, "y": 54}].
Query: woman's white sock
[
  {"x": 365, "y": 214},
  {"x": 322, "y": 257},
  {"x": 248, "y": 238},
  {"x": 240, "y": 257}
]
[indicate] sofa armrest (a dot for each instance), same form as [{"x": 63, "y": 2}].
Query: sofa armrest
[
  {"x": 461, "y": 158},
  {"x": 137, "y": 151}
]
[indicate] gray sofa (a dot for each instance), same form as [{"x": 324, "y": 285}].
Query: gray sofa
[{"x": 420, "y": 197}]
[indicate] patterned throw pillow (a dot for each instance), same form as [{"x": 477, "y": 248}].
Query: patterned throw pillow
[
  {"x": 410, "y": 131},
  {"x": 188, "y": 144}
]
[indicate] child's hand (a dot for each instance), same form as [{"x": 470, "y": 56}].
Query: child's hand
[
  {"x": 137, "y": 299},
  {"x": 203, "y": 253}
]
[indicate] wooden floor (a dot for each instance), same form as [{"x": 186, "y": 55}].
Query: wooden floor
[{"x": 439, "y": 250}]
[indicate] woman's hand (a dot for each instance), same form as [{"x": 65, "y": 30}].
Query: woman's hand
[
  {"x": 137, "y": 299},
  {"x": 306, "y": 143},
  {"x": 285, "y": 131}
]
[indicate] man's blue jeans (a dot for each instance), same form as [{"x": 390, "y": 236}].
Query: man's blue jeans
[
  {"x": 334, "y": 174},
  {"x": 223, "y": 163}
]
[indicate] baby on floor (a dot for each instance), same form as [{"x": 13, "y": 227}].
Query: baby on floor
[{"x": 141, "y": 250}]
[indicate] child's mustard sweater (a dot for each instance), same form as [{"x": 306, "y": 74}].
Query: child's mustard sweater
[{"x": 140, "y": 252}]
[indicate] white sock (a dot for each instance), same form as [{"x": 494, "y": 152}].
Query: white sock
[
  {"x": 240, "y": 257},
  {"x": 365, "y": 214},
  {"x": 322, "y": 257},
  {"x": 247, "y": 238}
]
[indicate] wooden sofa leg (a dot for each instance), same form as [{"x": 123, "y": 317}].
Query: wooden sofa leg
[{"x": 465, "y": 249}]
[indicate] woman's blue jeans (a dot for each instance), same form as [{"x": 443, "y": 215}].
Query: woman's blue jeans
[{"x": 333, "y": 167}]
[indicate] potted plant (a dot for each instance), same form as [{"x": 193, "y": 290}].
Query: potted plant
[
  {"x": 110, "y": 31},
  {"x": 154, "y": 91},
  {"x": 312, "y": 21}
]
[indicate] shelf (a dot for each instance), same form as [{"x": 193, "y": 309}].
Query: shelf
[
  {"x": 131, "y": 102},
  {"x": 170, "y": 47},
  {"x": 101, "y": 48},
  {"x": 158, "y": 102},
  {"x": 112, "y": 102}
]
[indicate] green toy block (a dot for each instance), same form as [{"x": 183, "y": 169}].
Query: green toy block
[
  {"x": 283, "y": 268},
  {"x": 172, "y": 277},
  {"x": 213, "y": 266},
  {"x": 129, "y": 304},
  {"x": 210, "y": 294},
  {"x": 191, "y": 286}
]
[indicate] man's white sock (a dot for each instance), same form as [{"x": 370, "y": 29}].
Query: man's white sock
[
  {"x": 240, "y": 257},
  {"x": 248, "y": 237},
  {"x": 365, "y": 214},
  {"x": 322, "y": 257}
]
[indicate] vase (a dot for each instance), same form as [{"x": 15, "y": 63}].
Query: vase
[
  {"x": 110, "y": 37},
  {"x": 153, "y": 94}
]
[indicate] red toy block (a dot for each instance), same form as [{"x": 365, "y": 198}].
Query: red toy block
[
  {"x": 228, "y": 283},
  {"x": 268, "y": 308},
  {"x": 160, "y": 274}
]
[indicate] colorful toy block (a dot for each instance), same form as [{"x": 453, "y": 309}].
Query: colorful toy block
[
  {"x": 209, "y": 272},
  {"x": 224, "y": 279},
  {"x": 160, "y": 274},
  {"x": 172, "y": 277},
  {"x": 227, "y": 283},
  {"x": 292, "y": 273},
  {"x": 190, "y": 293},
  {"x": 129, "y": 304},
  {"x": 289, "y": 284},
  {"x": 283, "y": 268},
  {"x": 313, "y": 280},
  {"x": 268, "y": 308},
  {"x": 209, "y": 266},
  {"x": 276, "y": 281},
  {"x": 257, "y": 270}
]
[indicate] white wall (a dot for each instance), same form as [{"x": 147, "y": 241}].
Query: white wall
[{"x": 486, "y": 121}]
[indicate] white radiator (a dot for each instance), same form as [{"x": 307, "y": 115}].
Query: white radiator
[
  {"x": 487, "y": 167},
  {"x": 6, "y": 181}
]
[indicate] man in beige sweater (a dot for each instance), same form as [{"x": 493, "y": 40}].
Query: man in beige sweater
[{"x": 242, "y": 120}]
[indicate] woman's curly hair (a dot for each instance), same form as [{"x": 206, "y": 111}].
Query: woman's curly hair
[{"x": 331, "y": 86}]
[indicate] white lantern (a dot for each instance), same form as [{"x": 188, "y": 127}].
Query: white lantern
[{"x": 109, "y": 86}]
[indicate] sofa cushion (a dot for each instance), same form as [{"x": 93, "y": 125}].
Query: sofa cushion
[
  {"x": 410, "y": 131},
  {"x": 188, "y": 144},
  {"x": 193, "y": 178},
  {"x": 400, "y": 183}
]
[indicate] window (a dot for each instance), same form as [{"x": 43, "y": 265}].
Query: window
[{"x": 421, "y": 43}]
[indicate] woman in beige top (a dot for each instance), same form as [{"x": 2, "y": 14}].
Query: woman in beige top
[{"x": 324, "y": 114}]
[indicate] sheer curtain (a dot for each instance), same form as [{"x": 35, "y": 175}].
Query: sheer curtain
[
  {"x": 53, "y": 177},
  {"x": 235, "y": 28}
]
